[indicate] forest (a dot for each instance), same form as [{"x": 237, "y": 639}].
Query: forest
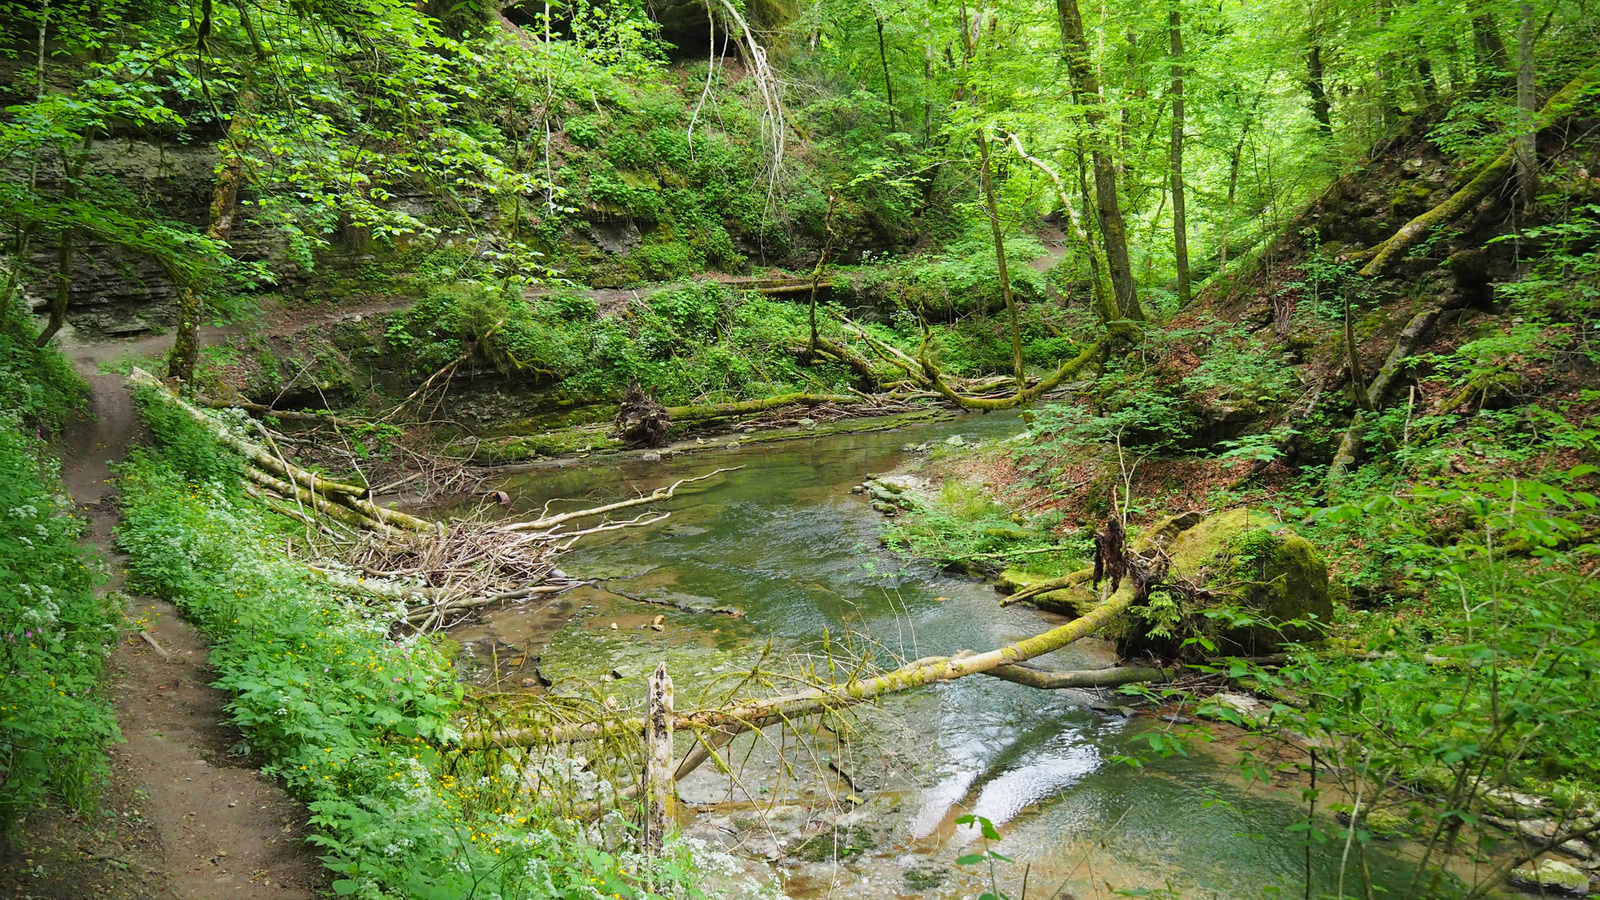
[{"x": 799, "y": 448}]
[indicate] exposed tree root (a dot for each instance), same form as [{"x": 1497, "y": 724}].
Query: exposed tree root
[{"x": 1094, "y": 353}]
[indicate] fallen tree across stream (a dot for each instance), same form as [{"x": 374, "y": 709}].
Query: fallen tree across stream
[{"x": 756, "y": 714}]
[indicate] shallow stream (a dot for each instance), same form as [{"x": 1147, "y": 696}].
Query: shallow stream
[{"x": 786, "y": 541}]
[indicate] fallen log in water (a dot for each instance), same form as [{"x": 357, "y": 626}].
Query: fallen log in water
[
  {"x": 757, "y": 714},
  {"x": 435, "y": 568}
]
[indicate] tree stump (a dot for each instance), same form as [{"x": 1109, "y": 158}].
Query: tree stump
[
  {"x": 641, "y": 420},
  {"x": 661, "y": 791}
]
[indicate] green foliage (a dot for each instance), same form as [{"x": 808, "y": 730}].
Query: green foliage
[
  {"x": 964, "y": 528},
  {"x": 1508, "y": 608},
  {"x": 960, "y": 282},
  {"x": 188, "y": 448},
  {"x": 1563, "y": 283},
  {"x": 700, "y": 341},
  {"x": 986, "y": 833},
  {"x": 36, "y": 384},
  {"x": 1163, "y": 398},
  {"x": 355, "y": 721},
  {"x": 55, "y": 635}
]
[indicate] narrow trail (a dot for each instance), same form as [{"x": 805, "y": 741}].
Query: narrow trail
[{"x": 185, "y": 817}]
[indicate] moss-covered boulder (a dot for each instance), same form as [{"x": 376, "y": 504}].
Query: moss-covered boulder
[{"x": 1235, "y": 578}]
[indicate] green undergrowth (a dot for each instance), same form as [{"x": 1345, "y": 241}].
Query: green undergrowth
[
  {"x": 698, "y": 342},
  {"x": 55, "y": 635},
  {"x": 353, "y": 720},
  {"x": 963, "y": 528},
  {"x": 1486, "y": 675},
  {"x": 37, "y": 384}
]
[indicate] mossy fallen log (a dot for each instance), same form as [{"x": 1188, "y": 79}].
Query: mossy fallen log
[
  {"x": 1567, "y": 101},
  {"x": 709, "y": 412},
  {"x": 1237, "y": 559},
  {"x": 292, "y": 481},
  {"x": 1377, "y": 392},
  {"x": 265, "y": 411},
  {"x": 294, "y": 493},
  {"x": 1093, "y": 353},
  {"x": 757, "y": 714},
  {"x": 1114, "y": 676}
]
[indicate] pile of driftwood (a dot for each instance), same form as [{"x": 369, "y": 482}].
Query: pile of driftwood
[{"x": 440, "y": 571}]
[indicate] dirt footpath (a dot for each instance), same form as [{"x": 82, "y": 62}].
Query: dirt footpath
[{"x": 185, "y": 817}]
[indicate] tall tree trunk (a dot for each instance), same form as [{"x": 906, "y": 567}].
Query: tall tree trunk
[
  {"x": 1086, "y": 89},
  {"x": 1104, "y": 304},
  {"x": 1491, "y": 55},
  {"x": 888, "y": 83},
  {"x": 1180, "y": 227},
  {"x": 71, "y": 169},
  {"x": 1233, "y": 189},
  {"x": 998, "y": 233},
  {"x": 1389, "y": 68},
  {"x": 185, "y": 354},
  {"x": 1321, "y": 108},
  {"x": 927, "y": 97},
  {"x": 1425, "y": 78},
  {"x": 1527, "y": 143},
  {"x": 822, "y": 263},
  {"x": 63, "y": 295},
  {"x": 992, "y": 207}
]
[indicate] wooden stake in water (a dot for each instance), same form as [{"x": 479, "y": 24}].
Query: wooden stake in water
[{"x": 661, "y": 792}]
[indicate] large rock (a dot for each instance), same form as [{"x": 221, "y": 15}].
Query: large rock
[
  {"x": 1239, "y": 559},
  {"x": 1552, "y": 875}
]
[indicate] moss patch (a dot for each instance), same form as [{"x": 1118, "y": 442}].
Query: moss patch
[{"x": 1247, "y": 575}]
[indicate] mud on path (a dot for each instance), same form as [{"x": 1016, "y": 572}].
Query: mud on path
[{"x": 184, "y": 816}]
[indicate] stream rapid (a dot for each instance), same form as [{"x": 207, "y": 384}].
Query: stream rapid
[{"x": 869, "y": 809}]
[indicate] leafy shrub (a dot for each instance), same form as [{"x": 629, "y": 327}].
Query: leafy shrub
[
  {"x": 55, "y": 635},
  {"x": 965, "y": 529},
  {"x": 1146, "y": 399},
  {"x": 962, "y": 281},
  {"x": 37, "y": 384},
  {"x": 1504, "y": 607}
]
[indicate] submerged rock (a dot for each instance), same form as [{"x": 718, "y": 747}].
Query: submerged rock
[{"x": 1552, "y": 875}]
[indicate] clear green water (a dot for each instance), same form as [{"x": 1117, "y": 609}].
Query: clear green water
[{"x": 784, "y": 539}]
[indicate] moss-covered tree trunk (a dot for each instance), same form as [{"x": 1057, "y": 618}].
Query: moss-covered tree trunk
[
  {"x": 185, "y": 354},
  {"x": 1180, "y": 225},
  {"x": 1086, "y": 92},
  {"x": 1321, "y": 107},
  {"x": 1577, "y": 94},
  {"x": 71, "y": 170},
  {"x": 986, "y": 174}
]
